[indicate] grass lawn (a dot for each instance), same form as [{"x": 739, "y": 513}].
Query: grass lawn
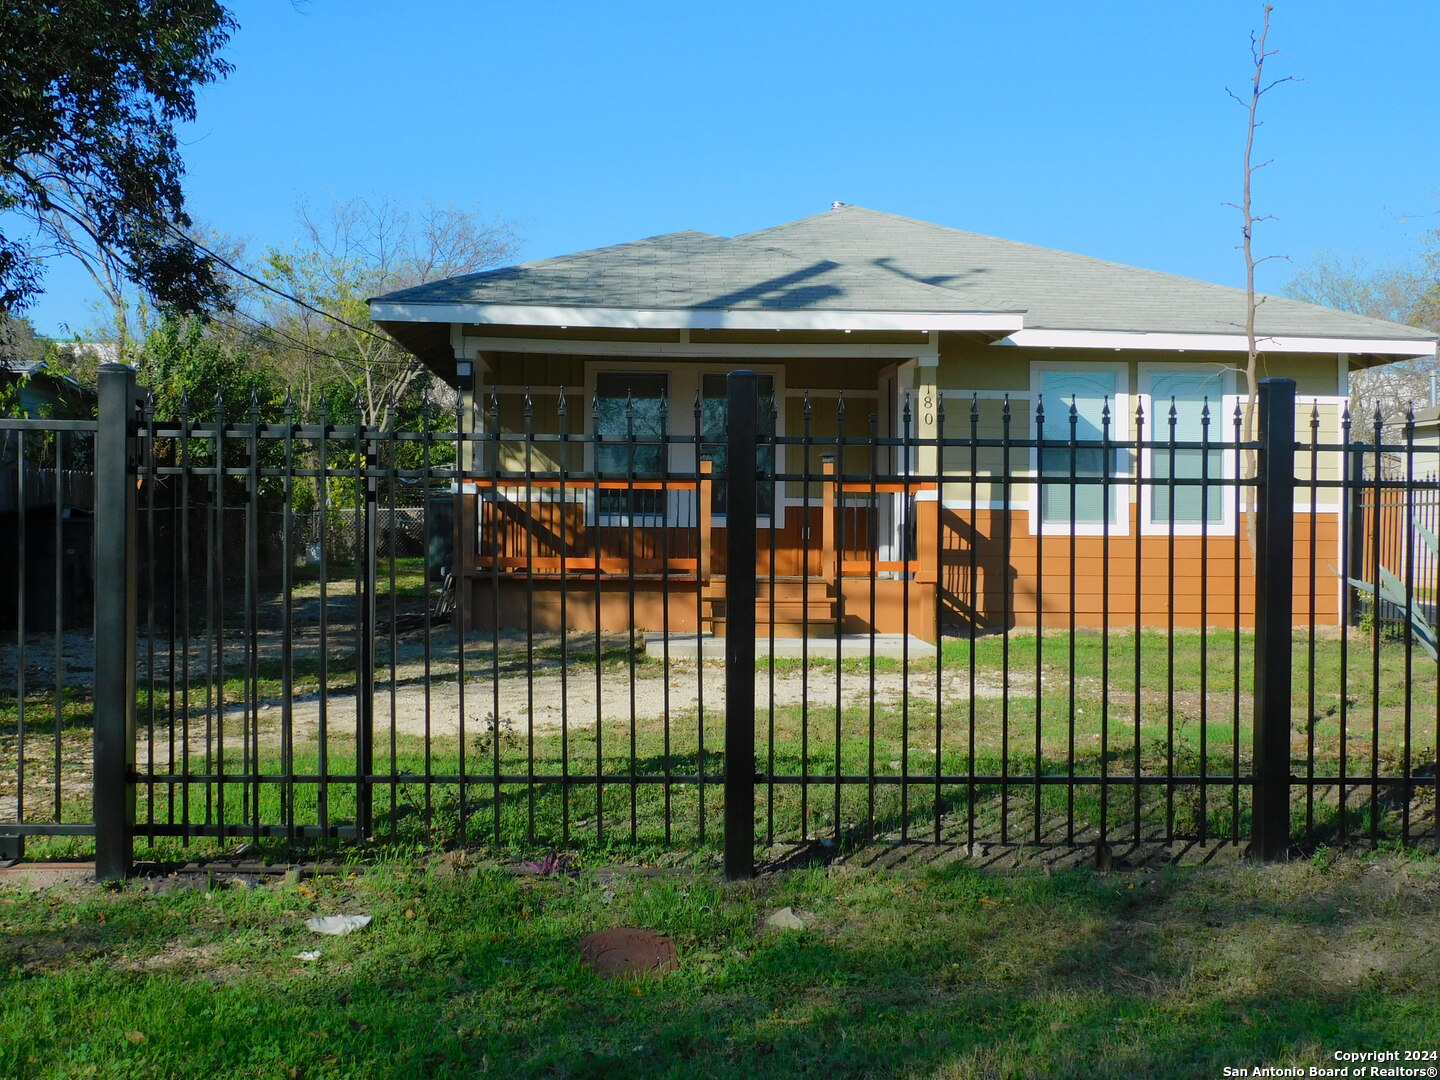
[
  {"x": 950, "y": 973},
  {"x": 1174, "y": 705}
]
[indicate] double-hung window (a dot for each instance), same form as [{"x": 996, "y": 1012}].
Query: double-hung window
[
  {"x": 714, "y": 409},
  {"x": 1076, "y": 496},
  {"x": 1190, "y": 390},
  {"x": 630, "y": 417}
]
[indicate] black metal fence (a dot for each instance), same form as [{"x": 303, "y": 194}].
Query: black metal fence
[{"x": 964, "y": 624}]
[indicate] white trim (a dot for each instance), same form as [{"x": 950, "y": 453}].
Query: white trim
[
  {"x": 1123, "y": 339},
  {"x": 1122, "y": 414},
  {"x": 1158, "y": 431},
  {"x": 708, "y": 349},
  {"x": 693, "y": 318},
  {"x": 1342, "y": 379}
]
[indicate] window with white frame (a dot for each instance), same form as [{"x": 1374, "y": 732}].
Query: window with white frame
[
  {"x": 1076, "y": 497},
  {"x": 630, "y": 418},
  {"x": 1189, "y": 391},
  {"x": 714, "y": 412}
]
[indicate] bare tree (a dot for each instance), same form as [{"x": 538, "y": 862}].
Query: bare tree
[
  {"x": 1259, "y": 53},
  {"x": 1398, "y": 294},
  {"x": 319, "y": 331},
  {"x": 1249, "y": 219}
]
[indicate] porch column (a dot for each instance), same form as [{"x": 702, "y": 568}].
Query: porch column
[
  {"x": 925, "y": 408},
  {"x": 927, "y": 460},
  {"x": 467, "y": 526}
]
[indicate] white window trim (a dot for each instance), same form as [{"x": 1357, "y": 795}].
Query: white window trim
[
  {"x": 1221, "y": 434},
  {"x": 593, "y": 517},
  {"x": 777, "y": 372},
  {"x": 1122, "y": 411}
]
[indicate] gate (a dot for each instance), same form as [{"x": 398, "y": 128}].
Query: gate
[{"x": 992, "y": 632}]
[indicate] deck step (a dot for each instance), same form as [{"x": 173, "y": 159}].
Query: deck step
[
  {"x": 782, "y": 613},
  {"x": 779, "y": 590}
]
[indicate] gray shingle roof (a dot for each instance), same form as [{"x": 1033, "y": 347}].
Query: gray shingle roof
[
  {"x": 1058, "y": 289},
  {"x": 693, "y": 270},
  {"x": 854, "y": 259}
]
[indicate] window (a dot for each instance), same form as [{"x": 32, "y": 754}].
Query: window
[
  {"x": 1190, "y": 391},
  {"x": 1091, "y": 391},
  {"x": 629, "y": 427},
  {"x": 713, "y": 414}
]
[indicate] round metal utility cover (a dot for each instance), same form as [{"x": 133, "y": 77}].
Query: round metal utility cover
[{"x": 627, "y": 951}]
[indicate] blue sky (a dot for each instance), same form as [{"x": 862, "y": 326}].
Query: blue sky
[{"x": 1097, "y": 127}]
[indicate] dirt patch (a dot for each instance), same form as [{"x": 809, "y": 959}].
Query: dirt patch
[{"x": 175, "y": 956}]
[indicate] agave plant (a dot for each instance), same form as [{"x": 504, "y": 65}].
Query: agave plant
[{"x": 1391, "y": 590}]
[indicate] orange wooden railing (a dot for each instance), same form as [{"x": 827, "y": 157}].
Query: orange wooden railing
[{"x": 520, "y": 533}]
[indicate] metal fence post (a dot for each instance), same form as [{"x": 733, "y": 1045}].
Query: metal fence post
[
  {"x": 115, "y": 605},
  {"x": 740, "y": 529},
  {"x": 366, "y": 547},
  {"x": 1274, "y": 616}
]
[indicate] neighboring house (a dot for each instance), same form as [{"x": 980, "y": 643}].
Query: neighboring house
[
  {"x": 31, "y": 388},
  {"x": 883, "y": 309}
]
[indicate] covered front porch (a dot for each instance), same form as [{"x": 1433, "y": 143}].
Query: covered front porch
[{"x": 598, "y": 492}]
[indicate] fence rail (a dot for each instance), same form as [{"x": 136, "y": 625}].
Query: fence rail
[{"x": 989, "y": 631}]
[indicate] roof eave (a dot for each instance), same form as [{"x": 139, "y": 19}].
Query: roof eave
[
  {"x": 995, "y": 322},
  {"x": 1396, "y": 349}
]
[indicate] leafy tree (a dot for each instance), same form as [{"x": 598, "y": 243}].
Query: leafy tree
[
  {"x": 183, "y": 363},
  {"x": 18, "y": 340},
  {"x": 90, "y": 93},
  {"x": 323, "y": 340}
]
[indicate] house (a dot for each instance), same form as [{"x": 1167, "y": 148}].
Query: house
[{"x": 914, "y": 324}]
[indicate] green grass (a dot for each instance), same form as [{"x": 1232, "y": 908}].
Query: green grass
[
  {"x": 1085, "y": 711},
  {"x": 952, "y": 973}
]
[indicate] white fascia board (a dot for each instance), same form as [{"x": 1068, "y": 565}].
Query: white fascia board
[
  {"x": 695, "y": 318},
  {"x": 692, "y": 349},
  {"x": 1119, "y": 339}
]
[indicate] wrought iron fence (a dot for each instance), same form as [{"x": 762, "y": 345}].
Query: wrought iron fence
[
  {"x": 966, "y": 624},
  {"x": 46, "y": 589}
]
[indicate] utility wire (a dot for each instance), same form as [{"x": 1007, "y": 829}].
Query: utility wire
[{"x": 409, "y": 365}]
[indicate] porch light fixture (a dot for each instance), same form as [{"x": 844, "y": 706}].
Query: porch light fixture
[{"x": 464, "y": 368}]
